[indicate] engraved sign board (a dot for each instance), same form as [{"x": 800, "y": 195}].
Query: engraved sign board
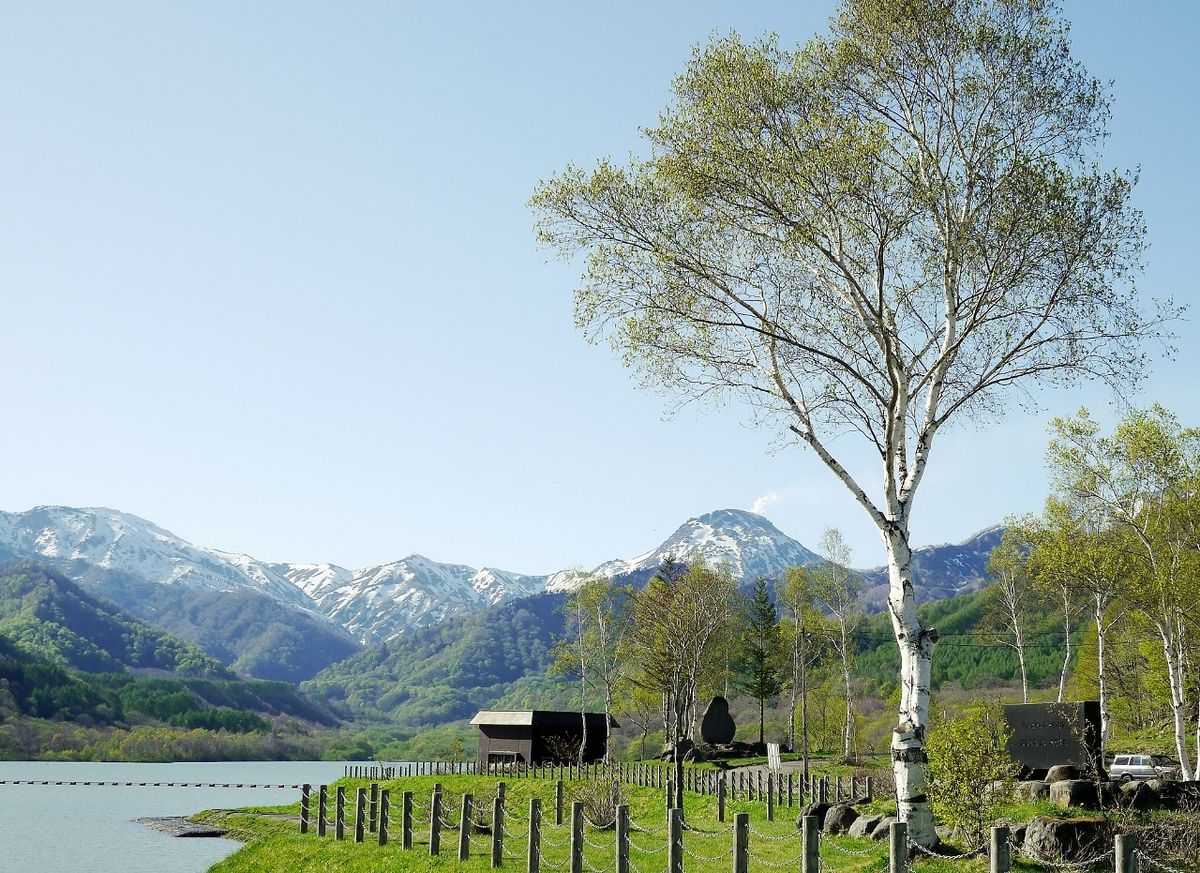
[
  {"x": 773, "y": 757},
  {"x": 1043, "y": 735}
]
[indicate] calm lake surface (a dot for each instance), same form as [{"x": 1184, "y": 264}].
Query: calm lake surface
[{"x": 90, "y": 829}]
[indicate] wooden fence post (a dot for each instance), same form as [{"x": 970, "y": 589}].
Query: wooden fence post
[
  {"x": 670, "y": 794},
  {"x": 406, "y": 820},
  {"x": 501, "y": 791},
  {"x": 576, "y": 836},
  {"x": 675, "y": 841},
  {"x": 870, "y": 790},
  {"x": 497, "y": 830},
  {"x": 1125, "y": 857},
  {"x": 622, "y": 838},
  {"x": 999, "y": 860},
  {"x": 339, "y": 824},
  {"x": 464, "y": 828},
  {"x": 435, "y": 822},
  {"x": 898, "y": 847},
  {"x": 791, "y": 791},
  {"x": 721, "y": 790},
  {"x": 373, "y": 817},
  {"x": 322, "y": 809},
  {"x": 533, "y": 858},
  {"x": 558, "y": 802},
  {"x": 384, "y": 816},
  {"x": 741, "y": 842},
  {"x": 360, "y": 814},
  {"x": 304, "y": 790},
  {"x": 810, "y": 827}
]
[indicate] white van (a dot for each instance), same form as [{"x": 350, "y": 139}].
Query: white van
[{"x": 1127, "y": 767}]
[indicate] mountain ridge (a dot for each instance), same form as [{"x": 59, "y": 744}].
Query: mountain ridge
[{"x": 98, "y": 545}]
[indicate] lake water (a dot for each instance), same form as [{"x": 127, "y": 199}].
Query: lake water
[{"x": 90, "y": 829}]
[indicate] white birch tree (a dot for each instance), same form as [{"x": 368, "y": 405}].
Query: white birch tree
[
  {"x": 1013, "y": 598},
  {"x": 1143, "y": 480},
  {"x": 840, "y": 590},
  {"x": 893, "y": 227}
]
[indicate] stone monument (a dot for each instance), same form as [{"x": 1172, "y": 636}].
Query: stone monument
[
  {"x": 717, "y": 727},
  {"x": 1045, "y": 735}
]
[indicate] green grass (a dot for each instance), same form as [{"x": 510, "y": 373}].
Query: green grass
[{"x": 274, "y": 844}]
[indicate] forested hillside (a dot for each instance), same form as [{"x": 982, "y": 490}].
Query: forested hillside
[
  {"x": 445, "y": 673},
  {"x": 49, "y": 616},
  {"x": 967, "y": 653},
  {"x": 247, "y": 631}
]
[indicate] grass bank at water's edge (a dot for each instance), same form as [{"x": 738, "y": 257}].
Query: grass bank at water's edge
[{"x": 275, "y": 845}]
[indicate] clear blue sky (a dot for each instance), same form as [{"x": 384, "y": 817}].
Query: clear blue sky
[{"x": 268, "y": 279}]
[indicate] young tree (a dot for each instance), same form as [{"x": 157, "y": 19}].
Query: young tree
[
  {"x": 895, "y": 226},
  {"x": 597, "y": 618},
  {"x": 840, "y": 590},
  {"x": 801, "y": 630},
  {"x": 1012, "y": 595},
  {"x": 640, "y": 706},
  {"x": 571, "y": 659},
  {"x": 677, "y": 624},
  {"x": 759, "y": 659},
  {"x": 1143, "y": 481},
  {"x": 972, "y": 772},
  {"x": 1079, "y": 548}
]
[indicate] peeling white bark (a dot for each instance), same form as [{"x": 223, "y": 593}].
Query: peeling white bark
[
  {"x": 916, "y": 642},
  {"x": 1062, "y": 679},
  {"x": 1179, "y": 706},
  {"x": 1100, "y": 667}
]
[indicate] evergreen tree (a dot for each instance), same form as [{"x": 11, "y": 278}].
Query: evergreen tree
[{"x": 760, "y": 660}]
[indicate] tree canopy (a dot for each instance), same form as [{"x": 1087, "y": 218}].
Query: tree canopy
[{"x": 898, "y": 224}]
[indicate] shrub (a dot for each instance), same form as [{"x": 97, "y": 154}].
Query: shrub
[{"x": 970, "y": 772}]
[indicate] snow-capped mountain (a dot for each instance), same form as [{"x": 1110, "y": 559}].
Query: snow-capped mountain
[
  {"x": 108, "y": 539},
  {"x": 103, "y": 547},
  {"x": 941, "y": 571},
  {"x": 748, "y": 543},
  {"x": 378, "y": 603}
]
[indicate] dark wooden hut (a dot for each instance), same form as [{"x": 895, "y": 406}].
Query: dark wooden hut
[{"x": 537, "y": 736}]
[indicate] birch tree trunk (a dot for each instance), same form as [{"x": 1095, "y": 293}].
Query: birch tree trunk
[
  {"x": 848, "y": 725},
  {"x": 804, "y": 711},
  {"x": 1062, "y": 679},
  {"x": 1100, "y": 673},
  {"x": 792, "y": 697},
  {"x": 1024, "y": 671},
  {"x": 1197, "y": 768},
  {"x": 1179, "y": 706},
  {"x": 916, "y": 642}
]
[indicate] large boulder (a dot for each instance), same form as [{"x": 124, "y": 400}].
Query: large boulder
[
  {"x": 1079, "y": 793},
  {"x": 717, "y": 726},
  {"x": 864, "y": 825},
  {"x": 1056, "y": 840},
  {"x": 883, "y": 828},
  {"x": 815, "y": 809},
  {"x": 1032, "y": 789},
  {"x": 1138, "y": 796},
  {"x": 839, "y": 817},
  {"x": 1063, "y": 772}
]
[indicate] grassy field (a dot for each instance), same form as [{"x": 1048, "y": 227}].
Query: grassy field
[{"x": 274, "y": 843}]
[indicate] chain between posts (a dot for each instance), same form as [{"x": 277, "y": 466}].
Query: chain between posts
[
  {"x": 1142, "y": 856},
  {"x": 842, "y": 850},
  {"x": 982, "y": 847},
  {"x": 776, "y": 866},
  {"x": 1062, "y": 865},
  {"x": 774, "y": 838},
  {"x": 711, "y": 860},
  {"x": 635, "y": 847}
]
